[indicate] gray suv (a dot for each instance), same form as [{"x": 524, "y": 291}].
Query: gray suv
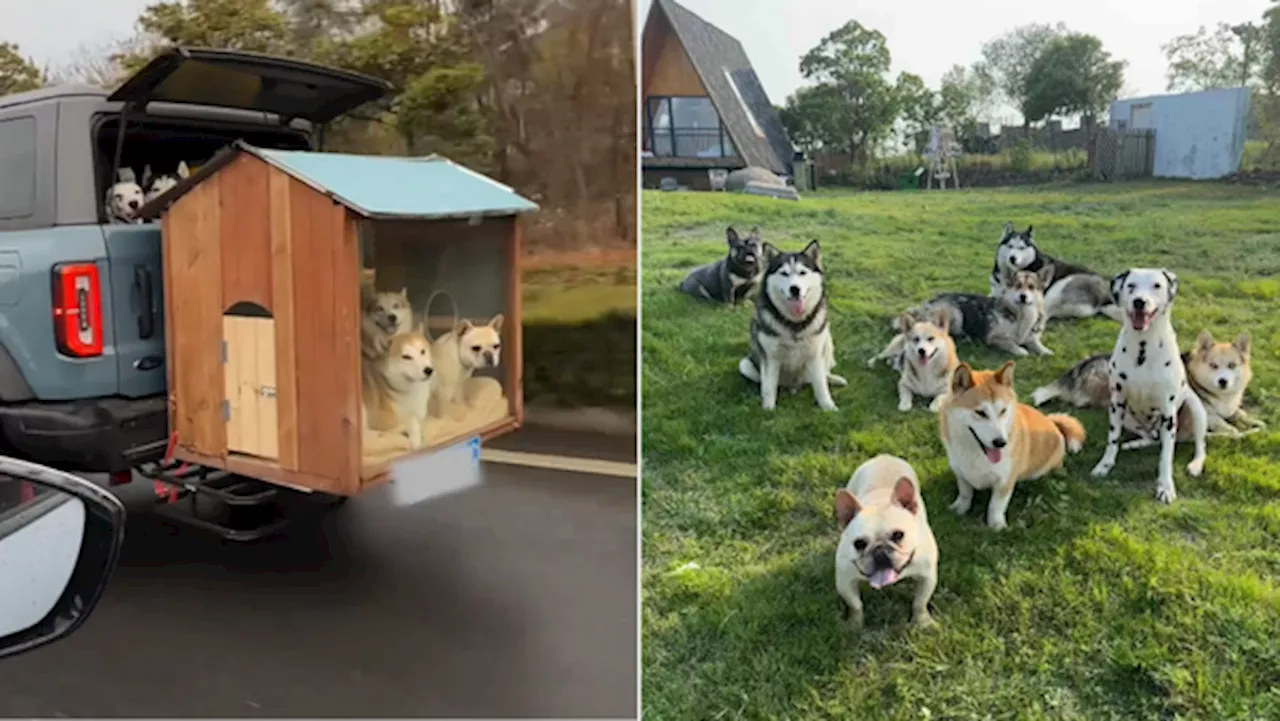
[{"x": 82, "y": 339}]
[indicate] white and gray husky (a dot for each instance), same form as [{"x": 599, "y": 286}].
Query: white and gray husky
[
  {"x": 791, "y": 343},
  {"x": 1072, "y": 291},
  {"x": 732, "y": 278},
  {"x": 1011, "y": 321}
]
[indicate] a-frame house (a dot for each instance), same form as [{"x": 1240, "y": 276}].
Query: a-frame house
[{"x": 704, "y": 106}]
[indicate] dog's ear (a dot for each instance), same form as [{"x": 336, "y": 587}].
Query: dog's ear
[
  {"x": 942, "y": 319},
  {"x": 146, "y": 173},
  {"x": 496, "y": 323},
  {"x": 905, "y": 321},
  {"x": 769, "y": 252},
  {"x": 1117, "y": 285},
  {"x": 464, "y": 326},
  {"x": 126, "y": 175},
  {"x": 962, "y": 379},
  {"x": 846, "y": 507},
  {"x": 1008, "y": 229},
  {"x": 1045, "y": 275},
  {"x": 1172, "y": 279},
  {"x": 731, "y": 235},
  {"x": 183, "y": 171},
  {"x": 1204, "y": 341},
  {"x": 404, "y": 291},
  {"x": 814, "y": 253},
  {"x": 1030, "y": 235},
  {"x": 904, "y": 494},
  {"x": 754, "y": 234},
  {"x": 1004, "y": 376},
  {"x": 1242, "y": 344}
]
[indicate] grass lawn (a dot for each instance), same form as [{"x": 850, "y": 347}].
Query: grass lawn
[{"x": 1096, "y": 603}]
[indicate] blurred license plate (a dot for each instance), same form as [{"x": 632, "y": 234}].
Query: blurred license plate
[{"x": 432, "y": 475}]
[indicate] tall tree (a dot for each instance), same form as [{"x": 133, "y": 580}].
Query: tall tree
[
  {"x": 17, "y": 73},
  {"x": 1072, "y": 75},
  {"x": 1007, "y": 60},
  {"x": 849, "y": 68},
  {"x": 962, "y": 95},
  {"x": 918, "y": 106},
  {"x": 253, "y": 25},
  {"x": 1231, "y": 55}
]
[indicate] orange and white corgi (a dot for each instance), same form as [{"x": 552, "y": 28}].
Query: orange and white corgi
[{"x": 993, "y": 441}]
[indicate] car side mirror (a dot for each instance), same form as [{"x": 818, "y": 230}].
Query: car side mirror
[{"x": 60, "y": 537}]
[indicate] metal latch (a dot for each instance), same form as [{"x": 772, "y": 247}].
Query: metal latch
[
  {"x": 226, "y": 411},
  {"x": 267, "y": 391}
]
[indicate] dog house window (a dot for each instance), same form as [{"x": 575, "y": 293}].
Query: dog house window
[{"x": 17, "y": 167}]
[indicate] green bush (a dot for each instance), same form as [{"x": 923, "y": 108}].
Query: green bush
[{"x": 1020, "y": 157}]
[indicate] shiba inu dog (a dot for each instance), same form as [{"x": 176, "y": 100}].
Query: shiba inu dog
[
  {"x": 397, "y": 388},
  {"x": 993, "y": 441},
  {"x": 385, "y": 314},
  {"x": 124, "y": 197},
  {"x": 732, "y": 278},
  {"x": 1217, "y": 372},
  {"x": 1012, "y": 322},
  {"x": 1147, "y": 379},
  {"x": 1071, "y": 291},
  {"x": 884, "y": 537},
  {"x": 927, "y": 356},
  {"x": 790, "y": 340},
  {"x": 158, "y": 185},
  {"x": 458, "y": 354}
]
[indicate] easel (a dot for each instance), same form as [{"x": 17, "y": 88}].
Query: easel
[{"x": 941, "y": 154}]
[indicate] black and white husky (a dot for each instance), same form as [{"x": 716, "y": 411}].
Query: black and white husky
[
  {"x": 733, "y": 277},
  {"x": 791, "y": 343},
  {"x": 1073, "y": 292},
  {"x": 1012, "y": 321}
]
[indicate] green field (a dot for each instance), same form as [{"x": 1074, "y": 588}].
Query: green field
[{"x": 1096, "y": 603}]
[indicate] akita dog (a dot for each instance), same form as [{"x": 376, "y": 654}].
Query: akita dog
[
  {"x": 385, "y": 314},
  {"x": 458, "y": 354},
  {"x": 397, "y": 389},
  {"x": 1071, "y": 291},
  {"x": 1219, "y": 373},
  {"x": 1011, "y": 322},
  {"x": 927, "y": 356},
  {"x": 791, "y": 344},
  {"x": 993, "y": 441}
]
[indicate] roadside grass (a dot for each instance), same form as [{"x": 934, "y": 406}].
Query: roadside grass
[
  {"x": 574, "y": 293},
  {"x": 1096, "y": 603}
]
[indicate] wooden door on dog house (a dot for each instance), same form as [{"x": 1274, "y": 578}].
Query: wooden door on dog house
[{"x": 249, "y": 370}]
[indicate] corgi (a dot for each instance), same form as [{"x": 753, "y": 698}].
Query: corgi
[
  {"x": 385, "y": 314},
  {"x": 993, "y": 441},
  {"x": 397, "y": 387},
  {"x": 458, "y": 354},
  {"x": 927, "y": 356}
]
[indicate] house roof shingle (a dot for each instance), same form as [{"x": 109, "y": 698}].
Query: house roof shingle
[{"x": 717, "y": 56}]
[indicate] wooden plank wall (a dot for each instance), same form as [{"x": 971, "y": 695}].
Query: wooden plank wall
[{"x": 252, "y": 233}]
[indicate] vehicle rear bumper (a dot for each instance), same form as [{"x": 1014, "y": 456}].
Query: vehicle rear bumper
[{"x": 98, "y": 435}]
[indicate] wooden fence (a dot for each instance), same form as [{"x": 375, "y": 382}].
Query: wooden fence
[{"x": 1121, "y": 154}]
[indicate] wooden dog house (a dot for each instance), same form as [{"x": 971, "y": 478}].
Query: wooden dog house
[{"x": 264, "y": 255}]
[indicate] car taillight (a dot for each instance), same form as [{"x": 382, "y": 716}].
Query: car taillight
[{"x": 77, "y": 309}]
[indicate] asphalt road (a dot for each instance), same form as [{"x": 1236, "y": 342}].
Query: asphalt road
[{"x": 513, "y": 599}]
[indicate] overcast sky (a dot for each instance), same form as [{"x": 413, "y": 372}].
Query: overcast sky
[
  {"x": 51, "y": 31},
  {"x": 927, "y": 37}
]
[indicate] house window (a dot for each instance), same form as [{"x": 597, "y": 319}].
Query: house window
[
  {"x": 745, "y": 108},
  {"x": 685, "y": 127}
]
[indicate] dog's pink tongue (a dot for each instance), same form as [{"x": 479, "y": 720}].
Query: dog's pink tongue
[
  {"x": 795, "y": 307},
  {"x": 1140, "y": 320},
  {"x": 882, "y": 578},
  {"x": 993, "y": 455}
]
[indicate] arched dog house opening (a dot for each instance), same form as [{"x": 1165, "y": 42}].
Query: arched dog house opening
[{"x": 249, "y": 375}]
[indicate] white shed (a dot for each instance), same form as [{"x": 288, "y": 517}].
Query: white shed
[{"x": 1198, "y": 135}]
